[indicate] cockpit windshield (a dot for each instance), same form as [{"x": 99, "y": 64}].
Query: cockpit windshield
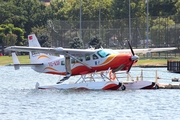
[{"x": 104, "y": 53}]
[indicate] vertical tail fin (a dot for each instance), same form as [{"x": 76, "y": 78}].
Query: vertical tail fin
[
  {"x": 33, "y": 41},
  {"x": 36, "y": 57}
]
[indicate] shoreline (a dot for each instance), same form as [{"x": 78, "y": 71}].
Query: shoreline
[{"x": 151, "y": 66}]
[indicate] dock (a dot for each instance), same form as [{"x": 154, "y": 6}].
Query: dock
[
  {"x": 169, "y": 86},
  {"x": 169, "y": 83}
]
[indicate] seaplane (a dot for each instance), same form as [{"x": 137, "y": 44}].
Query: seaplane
[{"x": 86, "y": 63}]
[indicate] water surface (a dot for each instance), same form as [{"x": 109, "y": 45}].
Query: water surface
[{"x": 19, "y": 99}]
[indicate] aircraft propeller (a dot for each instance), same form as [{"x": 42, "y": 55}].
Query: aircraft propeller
[{"x": 133, "y": 58}]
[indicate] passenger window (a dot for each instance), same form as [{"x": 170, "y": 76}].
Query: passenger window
[
  {"x": 80, "y": 59},
  {"x": 73, "y": 60},
  {"x": 87, "y": 57},
  {"x": 95, "y": 57},
  {"x": 62, "y": 63}
]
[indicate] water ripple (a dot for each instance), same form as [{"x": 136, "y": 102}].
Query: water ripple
[{"x": 19, "y": 100}]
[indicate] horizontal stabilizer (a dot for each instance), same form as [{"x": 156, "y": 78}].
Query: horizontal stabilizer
[
  {"x": 15, "y": 61},
  {"x": 17, "y": 66},
  {"x": 15, "y": 58},
  {"x": 34, "y": 64}
]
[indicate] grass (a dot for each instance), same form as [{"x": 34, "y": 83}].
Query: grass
[
  {"x": 156, "y": 62},
  {"x": 5, "y": 60}
]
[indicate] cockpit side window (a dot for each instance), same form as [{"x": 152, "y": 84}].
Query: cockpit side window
[
  {"x": 103, "y": 53},
  {"x": 95, "y": 57}
]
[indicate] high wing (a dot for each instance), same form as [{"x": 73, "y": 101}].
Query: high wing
[
  {"x": 64, "y": 51},
  {"x": 146, "y": 50},
  {"x": 59, "y": 50}
]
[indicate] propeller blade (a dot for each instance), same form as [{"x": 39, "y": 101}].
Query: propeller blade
[
  {"x": 130, "y": 67},
  {"x": 131, "y": 48},
  {"x": 133, "y": 58}
]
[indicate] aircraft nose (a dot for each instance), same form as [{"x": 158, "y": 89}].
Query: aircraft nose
[{"x": 134, "y": 58}]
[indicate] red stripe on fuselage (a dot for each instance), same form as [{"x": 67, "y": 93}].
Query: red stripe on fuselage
[{"x": 111, "y": 63}]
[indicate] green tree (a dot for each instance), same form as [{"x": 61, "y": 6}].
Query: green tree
[
  {"x": 43, "y": 36},
  {"x": 95, "y": 42},
  {"x": 120, "y": 8},
  {"x": 76, "y": 43},
  {"x": 10, "y": 39},
  {"x": 93, "y": 8},
  {"x": 24, "y": 13},
  {"x": 6, "y": 12},
  {"x": 162, "y": 7},
  {"x": 34, "y": 14},
  {"x": 177, "y": 19},
  {"x": 20, "y": 35},
  {"x": 9, "y": 32},
  {"x": 70, "y": 10},
  {"x": 58, "y": 10},
  {"x": 160, "y": 26}
]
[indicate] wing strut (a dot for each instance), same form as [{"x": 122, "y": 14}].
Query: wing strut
[
  {"x": 78, "y": 60},
  {"x": 68, "y": 66},
  {"x": 68, "y": 69}
]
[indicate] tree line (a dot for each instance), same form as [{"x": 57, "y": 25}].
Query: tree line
[{"x": 19, "y": 18}]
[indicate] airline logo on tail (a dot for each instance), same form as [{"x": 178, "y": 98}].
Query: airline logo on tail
[{"x": 30, "y": 37}]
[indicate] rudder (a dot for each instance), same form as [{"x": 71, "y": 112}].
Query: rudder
[
  {"x": 36, "y": 57},
  {"x": 33, "y": 41}
]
